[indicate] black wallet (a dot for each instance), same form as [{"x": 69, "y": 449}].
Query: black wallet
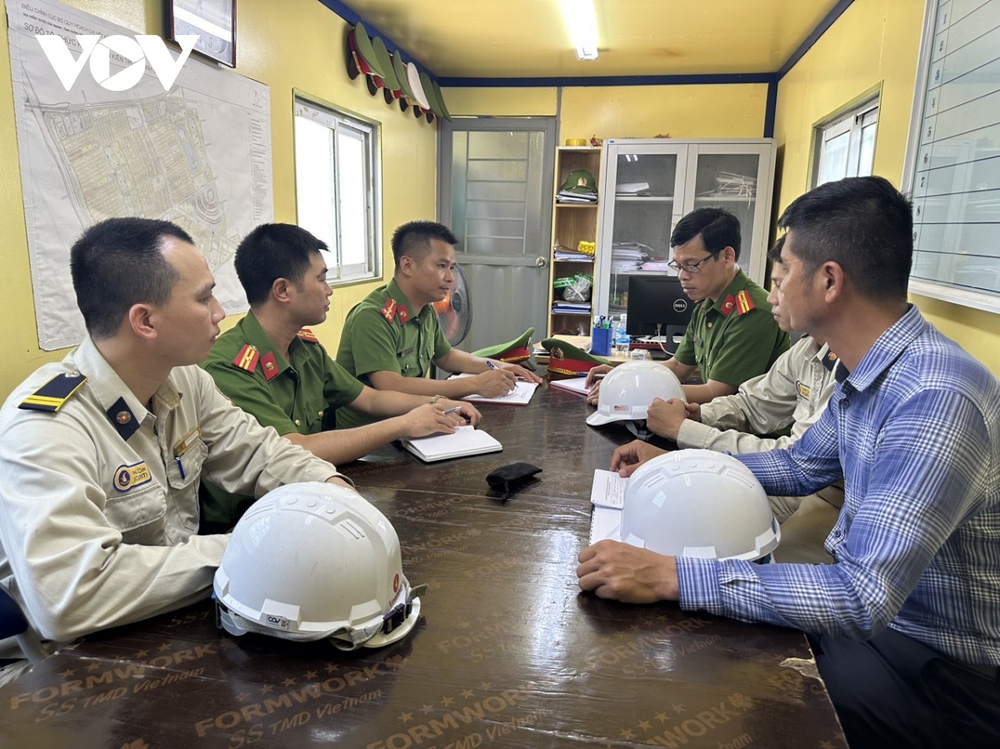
[{"x": 507, "y": 479}]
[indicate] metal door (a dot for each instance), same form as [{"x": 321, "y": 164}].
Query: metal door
[{"x": 495, "y": 192}]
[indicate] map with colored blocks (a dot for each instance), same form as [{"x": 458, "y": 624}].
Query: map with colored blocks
[{"x": 198, "y": 155}]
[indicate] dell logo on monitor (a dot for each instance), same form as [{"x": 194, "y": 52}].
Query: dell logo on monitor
[{"x": 680, "y": 305}]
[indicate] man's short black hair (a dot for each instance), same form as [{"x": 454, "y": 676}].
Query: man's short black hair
[
  {"x": 719, "y": 229},
  {"x": 270, "y": 252},
  {"x": 118, "y": 263},
  {"x": 863, "y": 224},
  {"x": 775, "y": 252},
  {"x": 414, "y": 239}
]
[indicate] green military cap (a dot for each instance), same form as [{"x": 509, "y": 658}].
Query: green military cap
[
  {"x": 440, "y": 97},
  {"x": 364, "y": 53},
  {"x": 567, "y": 359},
  {"x": 425, "y": 81},
  {"x": 579, "y": 181},
  {"x": 517, "y": 350},
  {"x": 390, "y": 84},
  {"x": 399, "y": 68}
]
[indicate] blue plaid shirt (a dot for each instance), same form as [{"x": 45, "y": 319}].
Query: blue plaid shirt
[{"x": 915, "y": 432}]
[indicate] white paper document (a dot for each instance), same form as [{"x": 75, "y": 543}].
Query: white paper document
[
  {"x": 466, "y": 440},
  {"x": 519, "y": 396},
  {"x": 607, "y": 494},
  {"x": 576, "y": 385}
]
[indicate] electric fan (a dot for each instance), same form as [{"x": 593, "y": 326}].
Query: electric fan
[{"x": 454, "y": 312}]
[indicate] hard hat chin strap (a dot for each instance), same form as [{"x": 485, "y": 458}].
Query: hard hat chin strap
[{"x": 639, "y": 432}]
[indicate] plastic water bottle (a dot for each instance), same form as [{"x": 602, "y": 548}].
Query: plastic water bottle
[{"x": 621, "y": 338}]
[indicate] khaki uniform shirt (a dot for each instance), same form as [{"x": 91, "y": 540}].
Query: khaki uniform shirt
[
  {"x": 734, "y": 337},
  {"x": 381, "y": 334},
  {"x": 99, "y": 500},
  {"x": 794, "y": 392}
]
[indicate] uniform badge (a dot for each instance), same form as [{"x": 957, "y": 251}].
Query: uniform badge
[
  {"x": 729, "y": 305},
  {"x": 804, "y": 390},
  {"x": 122, "y": 419},
  {"x": 389, "y": 309},
  {"x": 743, "y": 303},
  {"x": 307, "y": 335},
  {"x": 186, "y": 441},
  {"x": 270, "y": 366},
  {"x": 129, "y": 477},
  {"x": 403, "y": 314},
  {"x": 53, "y": 394},
  {"x": 247, "y": 358},
  {"x": 830, "y": 361}
]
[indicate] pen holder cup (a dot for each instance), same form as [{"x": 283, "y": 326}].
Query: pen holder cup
[{"x": 600, "y": 341}]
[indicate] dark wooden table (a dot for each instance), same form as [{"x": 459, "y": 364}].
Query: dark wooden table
[{"x": 508, "y": 652}]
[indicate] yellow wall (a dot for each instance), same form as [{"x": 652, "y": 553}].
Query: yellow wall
[
  {"x": 874, "y": 44},
  {"x": 695, "y": 111},
  {"x": 289, "y": 44}
]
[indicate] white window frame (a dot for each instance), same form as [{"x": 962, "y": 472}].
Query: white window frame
[
  {"x": 854, "y": 122},
  {"x": 325, "y": 187},
  {"x": 930, "y": 66}
]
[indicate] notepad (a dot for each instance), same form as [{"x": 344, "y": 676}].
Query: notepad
[
  {"x": 607, "y": 494},
  {"x": 519, "y": 396},
  {"x": 576, "y": 385},
  {"x": 466, "y": 440}
]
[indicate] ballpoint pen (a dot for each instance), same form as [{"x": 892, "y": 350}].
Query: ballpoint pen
[{"x": 452, "y": 410}]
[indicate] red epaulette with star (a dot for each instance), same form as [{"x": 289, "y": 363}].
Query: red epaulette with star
[
  {"x": 403, "y": 314},
  {"x": 728, "y": 306},
  {"x": 247, "y": 358},
  {"x": 743, "y": 303},
  {"x": 388, "y": 309},
  {"x": 307, "y": 335}
]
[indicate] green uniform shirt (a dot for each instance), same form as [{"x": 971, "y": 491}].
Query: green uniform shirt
[
  {"x": 381, "y": 334},
  {"x": 289, "y": 396},
  {"x": 730, "y": 340}
]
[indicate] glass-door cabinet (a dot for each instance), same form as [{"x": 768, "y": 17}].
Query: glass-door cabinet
[{"x": 648, "y": 185}]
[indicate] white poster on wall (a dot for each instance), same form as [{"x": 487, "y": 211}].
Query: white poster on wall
[{"x": 104, "y": 130}]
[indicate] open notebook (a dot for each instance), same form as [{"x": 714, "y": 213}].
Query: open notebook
[
  {"x": 607, "y": 494},
  {"x": 520, "y": 396},
  {"x": 573, "y": 384},
  {"x": 466, "y": 440}
]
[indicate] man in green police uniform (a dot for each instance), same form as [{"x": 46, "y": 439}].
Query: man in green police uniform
[
  {"x": 275, "y": 369},
  {"x": 391, "y": 337},
  {"x": 732, "y": 335}
]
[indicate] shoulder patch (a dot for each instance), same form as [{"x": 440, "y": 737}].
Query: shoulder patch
[
  {"x": 270, "y": 365},
  {"x": 247, "y": 358},
  {"x": 388, "y": 309},
  {"x": 743, "y": 303},
  {"x": 53, "y": 394},
  {"x": 729, "y": 305},
  {"x": 307, "y": 335}
]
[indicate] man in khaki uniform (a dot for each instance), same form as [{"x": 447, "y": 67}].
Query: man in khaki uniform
[{"x": 101, "y": 454}]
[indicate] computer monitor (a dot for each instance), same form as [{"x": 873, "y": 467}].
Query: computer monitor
[{"x": 657, "y": 306}]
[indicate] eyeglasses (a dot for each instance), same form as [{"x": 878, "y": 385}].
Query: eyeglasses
[{"x": 691, "y": 267}]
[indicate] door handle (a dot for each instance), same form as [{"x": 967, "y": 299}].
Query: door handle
[{"x": 541, "y": 262}]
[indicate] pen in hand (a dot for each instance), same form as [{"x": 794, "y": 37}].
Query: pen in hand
[{"x": 453, "y": 410}]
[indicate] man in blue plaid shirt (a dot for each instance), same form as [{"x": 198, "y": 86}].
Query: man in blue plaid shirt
[{"x": 906, "y": 622}]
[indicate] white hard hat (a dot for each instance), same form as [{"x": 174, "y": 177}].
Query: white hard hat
[
  {"x": 698, "y": 503},
  {"x": 630, "y": 388},
  {"x": 314, "y": 560}
]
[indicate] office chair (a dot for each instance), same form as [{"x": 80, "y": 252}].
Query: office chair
[{"x": 13, "y": 623}]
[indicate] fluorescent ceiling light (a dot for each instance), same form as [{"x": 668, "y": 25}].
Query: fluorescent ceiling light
[{"x": 581, "y": 22}]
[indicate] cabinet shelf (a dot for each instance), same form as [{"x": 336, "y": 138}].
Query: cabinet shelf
[{"x": 572, "y": 223}]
